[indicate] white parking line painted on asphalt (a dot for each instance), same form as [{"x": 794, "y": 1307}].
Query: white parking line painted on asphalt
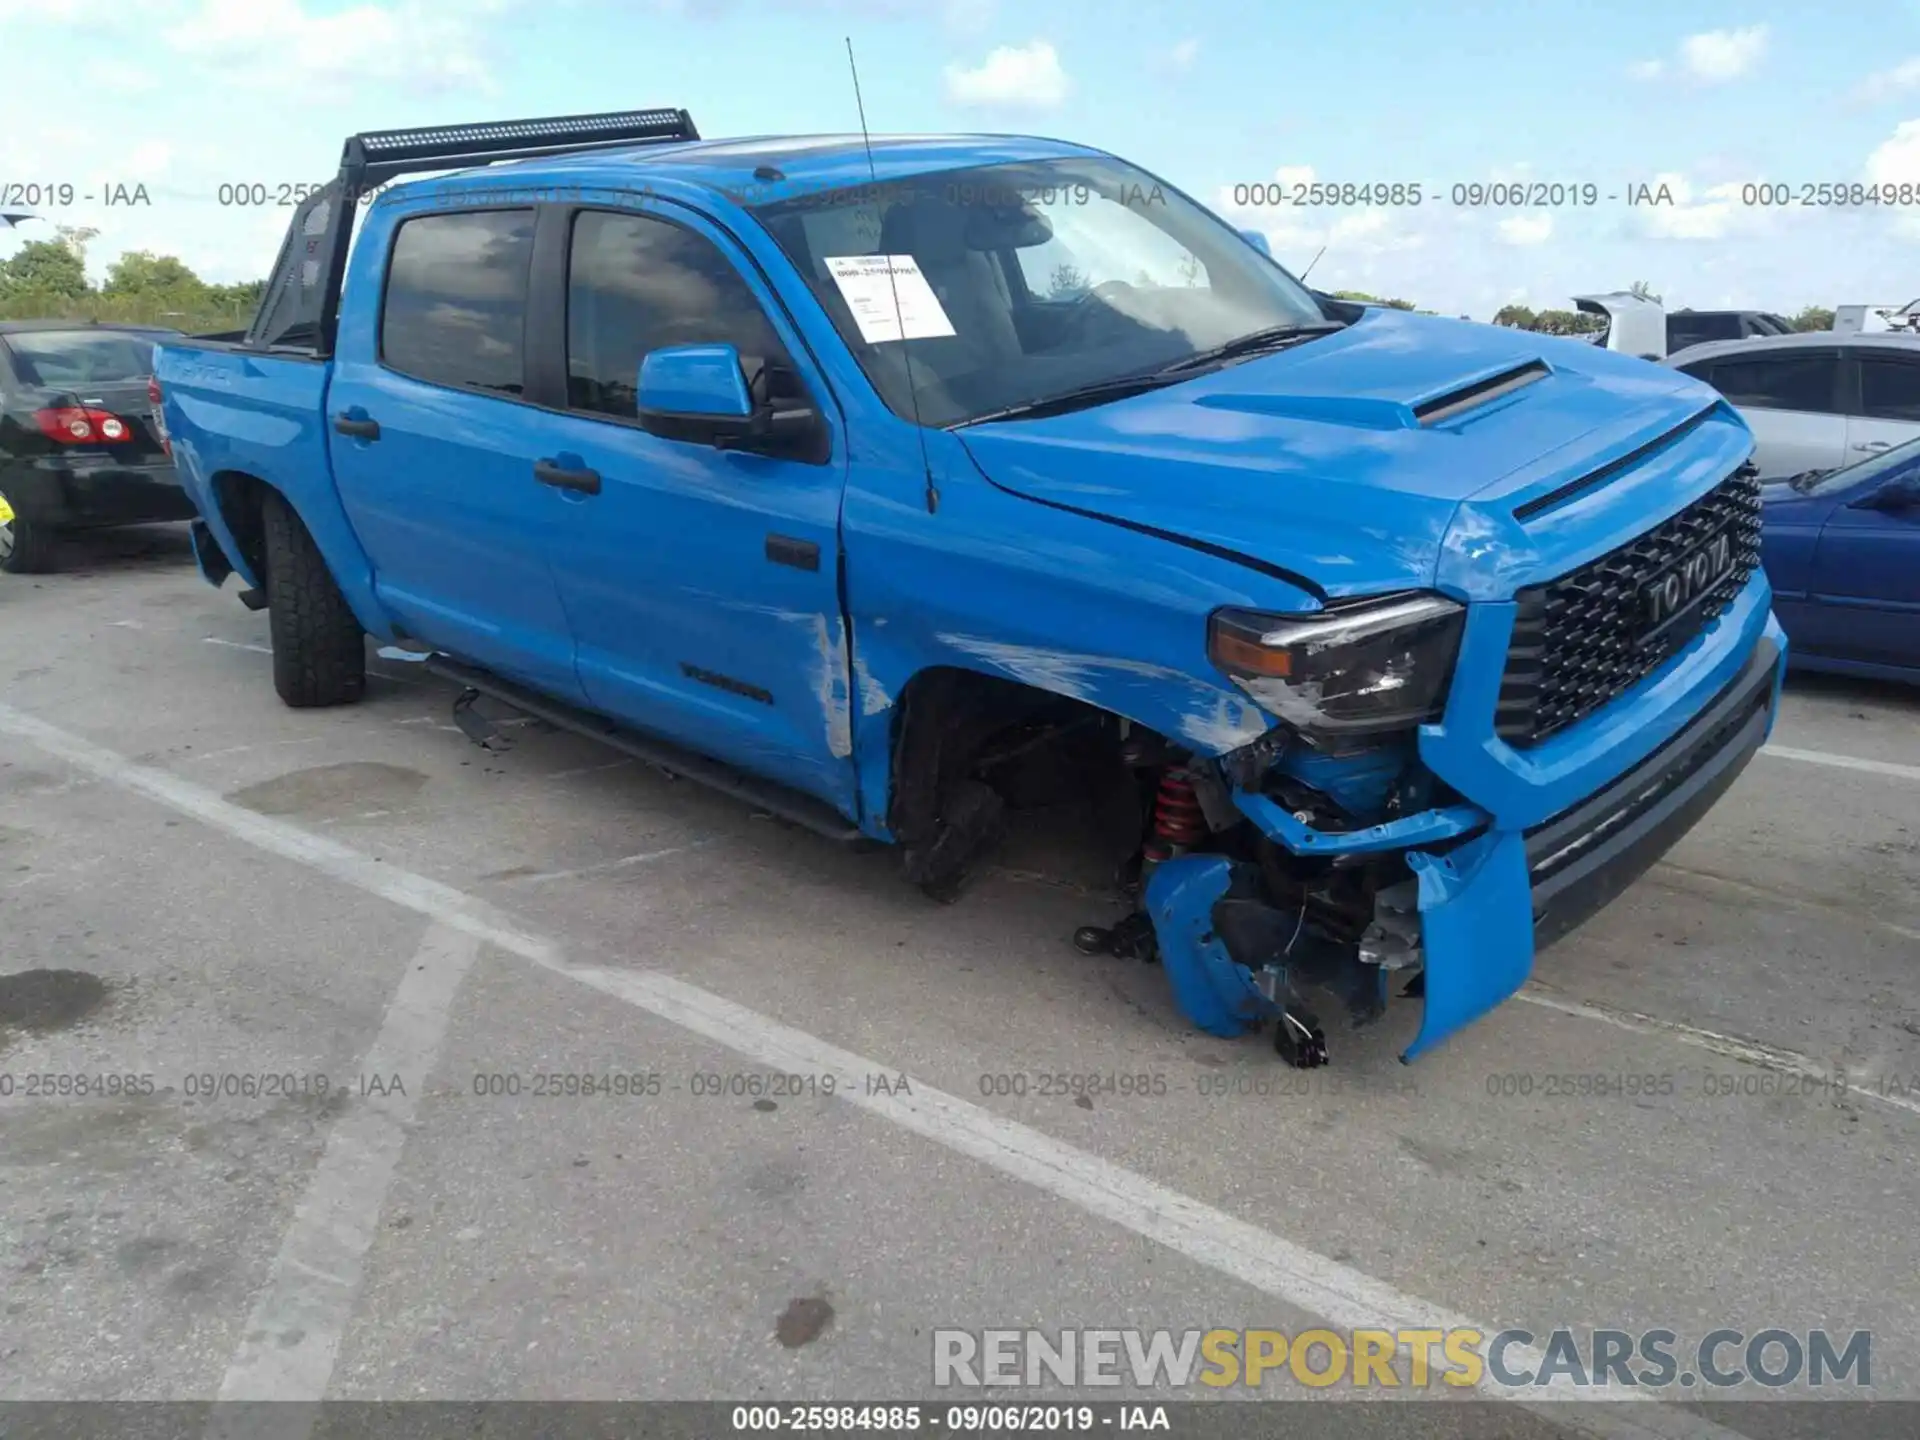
[
  {"x": 606, "y": 867},
  {"x": 292, "y": 1337},
  {"x": 1843, "y": 762},
  {"x": 1880, "y": 1089},
  {"x": 268, "y": 650},
  {"x": 237, "y": 645},
  {"x": 1277, "y": 1267}
]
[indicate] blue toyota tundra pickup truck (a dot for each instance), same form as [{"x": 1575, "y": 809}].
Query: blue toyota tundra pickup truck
[{"x": 894, "y": 484}]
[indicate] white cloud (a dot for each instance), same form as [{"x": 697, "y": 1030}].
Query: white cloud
[
  {"x": 1535, "y": 228},
  {"x": 1182, "y": 56},
  {"x": 1902, "y": 77},
  {"x": 429, "y": 46},
  {"x": 1896, "y": 161},
  {"x": 1013, "y": 75},
  {"x": 1713, "y": 56},
  {"x": 1718, "y": 55},
  {"x": 1689, "y": 214}
]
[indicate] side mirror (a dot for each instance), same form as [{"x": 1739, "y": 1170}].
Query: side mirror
[
  {"x": 1895, "y": 495},
  {"x": 700, "y": 394},
  {"x": 694, "y": 384},
  {"x": 1258, "y": 240}
]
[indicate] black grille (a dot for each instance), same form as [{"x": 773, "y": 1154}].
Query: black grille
[{"x": 1583, "y": 639}]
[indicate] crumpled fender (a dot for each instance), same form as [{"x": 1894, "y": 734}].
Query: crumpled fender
[
  {"x": 1476, "y": 917},
  {"x": 1212, "y": 989}
]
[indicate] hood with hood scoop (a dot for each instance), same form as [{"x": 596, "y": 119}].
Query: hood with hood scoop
[{"x": 1405, "y": 451}]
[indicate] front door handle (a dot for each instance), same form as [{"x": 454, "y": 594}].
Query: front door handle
[
  {"x": 547, "y": 472},
  {"x": 1873, "y": 445},
  {"x": 357, "y": 426}
]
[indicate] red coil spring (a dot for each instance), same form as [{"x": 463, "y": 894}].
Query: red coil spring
[{"x": 1177, "y": 816}]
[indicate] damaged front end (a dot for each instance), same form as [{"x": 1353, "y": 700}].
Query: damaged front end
[
  {"x": 1332, "y": 858},
  {"x": 1333, "y": 879},
  {"x": 1325, "y": 859}
]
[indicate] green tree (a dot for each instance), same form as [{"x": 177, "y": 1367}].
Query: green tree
[
  {"x": 1567, "y": 322},
  {"x": 1518, "y": 317},
  {"x": 141, "y": 272},
  {"x": 1814, "y": 317},
  {"x": 1066, "y": 280},
  {"x": 51, "y": 268},
  {"x": 1365, "y": 299}
]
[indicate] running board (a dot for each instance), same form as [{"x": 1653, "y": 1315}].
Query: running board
[{"x": 802, "y": 810}]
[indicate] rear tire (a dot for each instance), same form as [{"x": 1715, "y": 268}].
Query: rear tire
[
  {"x": 27, "y": 547},
  {"x": 319, "y": 649}
]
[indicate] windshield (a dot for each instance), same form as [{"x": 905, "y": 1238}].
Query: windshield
[
  {"x": 1024, "y": 281},
  {"x": 1880, "y": 467},
  {"x": 65, "y": 358}
]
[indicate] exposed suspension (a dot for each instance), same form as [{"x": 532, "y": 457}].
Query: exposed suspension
[{"x": 1178, "y": 820}]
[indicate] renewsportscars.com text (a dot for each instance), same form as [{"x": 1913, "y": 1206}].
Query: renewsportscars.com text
[{"x": 1393, "y": 1359}]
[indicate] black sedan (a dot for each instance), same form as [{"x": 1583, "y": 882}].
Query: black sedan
[{"x": 79, "y": 445}]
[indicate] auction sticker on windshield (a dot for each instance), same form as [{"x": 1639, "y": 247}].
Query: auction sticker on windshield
[{"x": 889, "y": 297}]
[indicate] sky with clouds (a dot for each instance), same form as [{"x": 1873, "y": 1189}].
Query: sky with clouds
[{"x": 1702, "y": 97}]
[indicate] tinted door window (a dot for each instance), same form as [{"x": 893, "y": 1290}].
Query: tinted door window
[
  {"x": 1777, "y": 382},
  {"x": 1685, "y": 330},
  {"x": 456, "y": 304},
  {"x": 638, "y": 284},
  {"x": 1889, "y": 388}
]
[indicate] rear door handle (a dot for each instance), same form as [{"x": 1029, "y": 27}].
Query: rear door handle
[
  {"x": 357, "y": 426},
  {"x": 549, "y": 473}
]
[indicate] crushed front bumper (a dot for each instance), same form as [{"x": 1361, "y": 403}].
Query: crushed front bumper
[
  {"x": 1489, "y": 905},
  {"x": 1504, "y": 874}
]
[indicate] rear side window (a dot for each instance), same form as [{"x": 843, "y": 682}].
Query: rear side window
[
  {"x": 456, "y": 304},
  {"x": 637, "y": 284},
  {"x": 1889, "y": 389},
  {"x": 1777, "y": 382},
  {"x": 65, "y": 358},
  {"x": 1685, "y": 330}
]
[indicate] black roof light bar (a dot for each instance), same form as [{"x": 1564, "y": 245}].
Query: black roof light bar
[
  {"x": 383, "y": 154},
  {"x": 300, "y": 311}
]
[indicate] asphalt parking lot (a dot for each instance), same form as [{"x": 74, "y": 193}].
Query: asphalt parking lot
[{"x": 380, "y": 931}]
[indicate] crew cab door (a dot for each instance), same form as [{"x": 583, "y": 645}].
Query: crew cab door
[
  {"x": 702, "y": 584},
  {"x": 433, "y": 444}
]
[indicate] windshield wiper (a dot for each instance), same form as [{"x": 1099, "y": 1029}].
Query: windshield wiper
[
  {"x": 1273, "y": 337},
  {"x": 1079, "y": 398}
]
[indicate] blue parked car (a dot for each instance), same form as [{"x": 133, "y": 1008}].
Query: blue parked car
[
  {"x": 1842, "y": 548},
  {"x": 894, "y": 486}
]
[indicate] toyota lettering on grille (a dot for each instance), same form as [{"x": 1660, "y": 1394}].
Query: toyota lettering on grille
[{"x": 1684, "y": 582}]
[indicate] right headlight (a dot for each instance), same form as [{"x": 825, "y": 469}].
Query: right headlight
[{"x": 1356, "y": 668}]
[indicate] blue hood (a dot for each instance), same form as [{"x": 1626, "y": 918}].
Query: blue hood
[{"x": 1315, "y": 460}]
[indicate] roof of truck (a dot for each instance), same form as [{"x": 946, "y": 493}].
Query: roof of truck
[{"x": 806, "y": 163}]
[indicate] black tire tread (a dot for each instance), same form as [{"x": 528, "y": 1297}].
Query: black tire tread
[
  {"x": 319, "y": 649},
  {"x": 34, "y": 548}
]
